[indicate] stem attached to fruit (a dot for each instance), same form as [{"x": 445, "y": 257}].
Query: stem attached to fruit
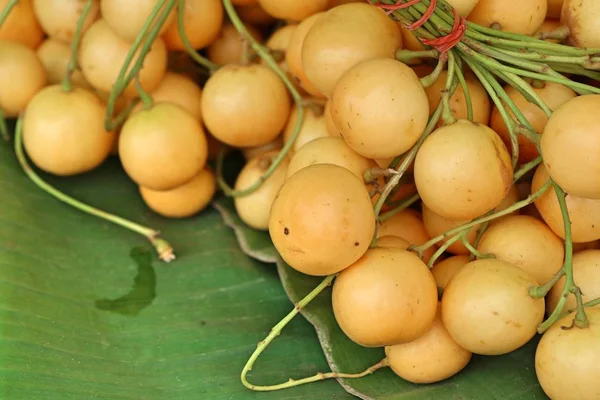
[
  {"x": 447, "y": 115},
  {"x": 6, "y": 10},
  {"x": 206, "y": 63},
  {"x": 163, "y": 248},
  {"x": 402, "y": 206},
  {"x": 411, "y": 57},
  {"x": 144, "y": 96},
  {"x": 430, "y": 79},
  {"x": 265, "y": 54},
  {"x": 466, "y": 92},
  {"x": 67, "y": 86},
  {"x": 570, "y": 287},
  {"x": 276, "y": 331},
  {"x": 516, "y": 206},
  {"x": 126, "y": 75}
]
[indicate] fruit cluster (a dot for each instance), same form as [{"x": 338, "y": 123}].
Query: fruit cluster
[{"x": 436, "y": 161}]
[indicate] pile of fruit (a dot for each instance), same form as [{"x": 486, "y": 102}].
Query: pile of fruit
[{"x": 437, "y": 162}]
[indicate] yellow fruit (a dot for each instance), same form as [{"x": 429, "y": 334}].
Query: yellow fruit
[
  {"x": 59, "y": 18},
  {"x": 202, "y": 22},
  {"x": 524, "y": 19}
]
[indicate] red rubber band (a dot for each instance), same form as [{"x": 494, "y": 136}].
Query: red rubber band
[
  {"x": 446, "y": 43},
  {"x": 441, "y": 44}
]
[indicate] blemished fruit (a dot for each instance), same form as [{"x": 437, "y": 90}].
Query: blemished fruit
[
  {"x": 379, "y": 107},
  {"x": 21, "y": 25},
  {"x": 581, "y": 17},
  {"x": 245, "y": 106},
  {"x": 566, "y": 360},
  {"x": 376, "y": 303},
  {"x": 487, "y": 309},
  {"x": 185, "y": 200},
  {"x": 102, "y": 54},
  {"x": 526, "y": 21},
  {"x": 326, "y": 54},
  {"x": 553, "y": 94},
  {"x": 586, "y": 273},
  {"x": 55, "y": 56},
  {"x": 432, "y": 357},
  {"x": 126, "y": 19},
  {"x": 16, "y": 59},
  {"x": 163, "y": 147},
  {"x": 527, "y": 243},
  {"x": 254, "y": 209},
  {"x": 463, "y": 170},
  {"x": 59, "y": 18},
  {"x": 570, "y": 145},
  {"x": 202, "y": 22},
  {"x": 584, "y": 214},
  {"x": 322, "y": 220},
  {"x": 63, "y": 132}
]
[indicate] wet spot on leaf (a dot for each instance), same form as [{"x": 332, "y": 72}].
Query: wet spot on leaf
[{"x": 142, "y": 293}]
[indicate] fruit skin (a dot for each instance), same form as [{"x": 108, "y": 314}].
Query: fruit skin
[
  {"x": 313, "y": 127},
  {"x": 245, "y": 106},
  {"x": 102, "y": 54},
  {"x": 163, "y": 147},
  {"x": 326, "y": 53},
  {"x": 553, "y": 94},
  {"x": 432, "y": 357},
  {"x": 202, "y": 21},
  {"x": 254, "y": 208},
  {"x": 55, "y": 56},
  {"x": 407, "y": 224},
  {"x": 59, "y": 18},
  {"x": 185, "y": 200},
  {"x": 128, "y": 18},
  {"x": 487, "y": 309},
  {"x": 582, "y": 18},
  {"x": 63, "y": 132},
  {"x": 584, "y": 214},
  {"x": 16, "y": 59},
  {"x": 586, "y": 273},
  {"x": 463, "y": 170},
  {"x": 571, "y": 144},
  {"x": 566, "y": 361},
  {"x": 292, "y": 9},
  {"x": 228, "y": 47},
  {"x": 527, "y": 243},
  {"x": 525, "y": 19},
  {"x": 445, "y": 269},
  {"x": 380, "y": 108},
  {"x": 387, "y": 297},
  {"x": 322, "y": 220},
  {"x": 21, "y": 25}
]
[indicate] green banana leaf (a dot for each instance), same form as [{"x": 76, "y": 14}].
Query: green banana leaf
[
  {"x": 88, "y": 312},
  {"x": 511, "y": 376}
]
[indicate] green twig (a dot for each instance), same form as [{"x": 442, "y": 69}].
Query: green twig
[
  {"x": 163, "y": 248},
  {"x": 466, "y": 92},
  {"x": 72, "y": 64},
  {"x": 144, "y": 95},
  {"x": 276, "y": 331},
  {"x": 206, "y": 63},
  {"x": 265, "y": 54},
  {"x": 430, "y": 79},
  {"x": 6, "y": 10},
  {"x": 400, "y": 207}
]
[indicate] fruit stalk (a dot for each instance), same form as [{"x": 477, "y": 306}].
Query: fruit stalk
[
  {"x": 162, "y": 247},
  {"x": 206, "y": 63},
  {"x": 72, "y": 64},
  {"x": 6, "y": 10}
]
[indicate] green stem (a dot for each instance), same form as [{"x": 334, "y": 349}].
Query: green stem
[
  {"x": 206, "y": 63},
  {"x": 466, "y": 92},
  {"x": 276, "y": 331},
  {"x": 591, "y": 303},
  {"x": 409, "y": 56},
  {"x": 488, "y": 83},
  {"x": 480, "y": 233},
  {"x": 472, "y": 249},
  {"x": 67, "y": 86},
  {"x": 164, "y": 249},
  {"x": 441, "y": 250},
  {"x": 430, "y": 79},
  {"x": 525, "y": 168},
  {"x": 125, "y": 77},
  {"x": 6, "y": 10},
  {"x": 447, "y": 116},
  {"x": 570, "y": 287},
  {"x": 541, "y": 291},
  {"x": 402, "y": 206},
  {"x": 144, "y": 96},
  {"x": 265, "y": 54},
  {"x": 516, "y": 206},
  {"x": 3, "y": 128}
]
